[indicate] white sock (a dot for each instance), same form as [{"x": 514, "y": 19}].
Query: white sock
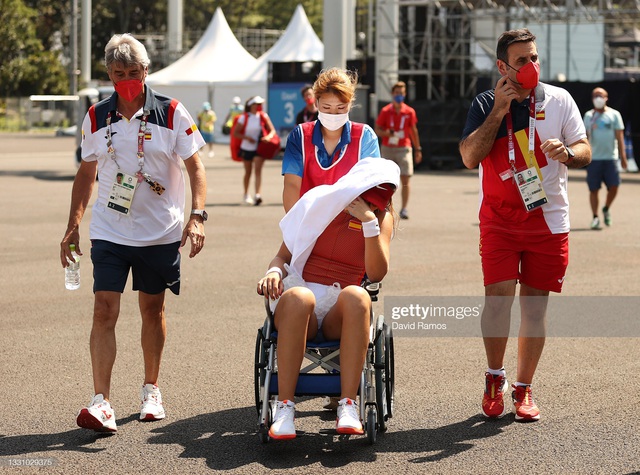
[
  {"x": 497, "y": 372},
  {"x": 518, "y": 383}
]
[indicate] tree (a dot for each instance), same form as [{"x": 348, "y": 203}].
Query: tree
[{"x": 26, "y": 67}]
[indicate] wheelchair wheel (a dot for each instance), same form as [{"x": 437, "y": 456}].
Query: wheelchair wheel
[
  {"x": 389, "y": 369},
  {"x": 384, "y": 374},
  {"x": 259, "y": 368},
  {"x": 371, "y": 424}
]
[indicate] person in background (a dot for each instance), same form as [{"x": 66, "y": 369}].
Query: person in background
[
  {"x": 141, "y": 228},
  {"x": 235, "y": 110},
  {"x": 206, "y": 122},
  {"x": 310, "y": 111},
  {"x": 605, "y": 131},
  {"x": 521, "y": 126},
  {"x": 251, "y": 127},
  {"x": 397, "y": 125}
]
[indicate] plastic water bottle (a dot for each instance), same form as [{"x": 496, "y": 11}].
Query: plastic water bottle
[{"x": 72, "y": 271}]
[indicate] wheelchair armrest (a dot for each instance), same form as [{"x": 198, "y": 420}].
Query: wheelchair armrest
[{"x": 373, "y": 288}]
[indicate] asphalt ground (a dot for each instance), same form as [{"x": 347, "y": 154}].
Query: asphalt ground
[{"x": 587, "y": 388}]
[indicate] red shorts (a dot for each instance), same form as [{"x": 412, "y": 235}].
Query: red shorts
[{"x": 537, "y": 260}]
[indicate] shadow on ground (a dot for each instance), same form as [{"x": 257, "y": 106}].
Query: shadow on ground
[
  {"x": 76, "y": 440},
  {"x": 227, "y": 440}
]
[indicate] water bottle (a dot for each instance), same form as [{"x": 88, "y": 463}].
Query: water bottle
[{"x": 72, "y": 271}]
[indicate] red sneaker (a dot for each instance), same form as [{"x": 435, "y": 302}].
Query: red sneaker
[
  {"x": 525, "y": 407},
  {"x": 493, "y": 399}
]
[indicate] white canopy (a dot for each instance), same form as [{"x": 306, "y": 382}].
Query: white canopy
[
  {"x": 216, "y": 69},
  {"x": 217, "y": 57},
  {"x": 298, "y": 43}
]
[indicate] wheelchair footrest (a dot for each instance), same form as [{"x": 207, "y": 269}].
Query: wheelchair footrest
[{"x": 312, "y": 384}]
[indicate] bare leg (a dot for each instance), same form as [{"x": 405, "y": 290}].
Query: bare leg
[
  {"x": 295, "y": 322},
  {"x": 259, "y": 161},
  {"x": 348, "y": 321},
  {"x": 154, "y": 333},
  {"x": 405, "y": 190},
  {"x": 248, "y": 164},
  {"x": 611, "y": 195},
  {"x": 102, "y": 342},
  {"x": 496, "y": 321},
  {"x": 593, "y": 200},
  {"x": 532, "y": 331}
]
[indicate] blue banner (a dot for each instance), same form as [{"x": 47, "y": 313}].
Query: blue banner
[{"x": 284, "y": 102}]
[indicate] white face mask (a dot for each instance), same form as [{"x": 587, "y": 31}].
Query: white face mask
[
  {"x": 599, "y": 102},
  {"x": 333, "y": 121}
]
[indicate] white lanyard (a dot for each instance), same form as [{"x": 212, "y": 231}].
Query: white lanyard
[
  {"x": 393, "y": 122},
  {"x": 112, "y": 153}
]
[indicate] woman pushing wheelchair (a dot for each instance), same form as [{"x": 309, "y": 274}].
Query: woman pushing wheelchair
[{"x": 332, "y": 237}]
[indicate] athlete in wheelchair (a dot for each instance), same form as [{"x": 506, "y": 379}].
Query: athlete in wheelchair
[{"x": 333, "y": 236}]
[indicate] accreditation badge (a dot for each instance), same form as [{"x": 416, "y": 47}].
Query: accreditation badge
[
  {"x": 530, "y": 187},
  {"x": 121, "y": 195}
]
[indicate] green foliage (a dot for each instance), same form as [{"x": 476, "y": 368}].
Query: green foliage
[
  {"x": 33, "y": 29},
  {"x": 27, "y": 67}
]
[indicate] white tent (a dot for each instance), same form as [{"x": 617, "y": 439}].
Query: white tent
[
  {"x": 216, "y": 69},
  {"x": 298, "y": 43}
]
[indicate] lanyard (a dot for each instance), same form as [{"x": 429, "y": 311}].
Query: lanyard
[
  {"x": 140, "y": 155},
  {"x": 532, "y": 133},
  {"x": 594, "y": 119},
  {"x": 393, "y": 122}
]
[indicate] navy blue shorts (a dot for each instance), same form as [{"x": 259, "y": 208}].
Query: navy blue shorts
[
  {"x": 154, "y": 268},
  {"x": 602, "y": 171},
  {"x": 247, "y": 154}
]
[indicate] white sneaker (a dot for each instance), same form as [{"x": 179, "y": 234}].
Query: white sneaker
[
  {"x": 595, "y": 223},
  {"x": 283, "y": 421},
  {"x": 151, "y": 408},
  {"x": 248, "y": 200},
  {"x": 348, "y": 421},
  {"x": 98, "y": 416}
]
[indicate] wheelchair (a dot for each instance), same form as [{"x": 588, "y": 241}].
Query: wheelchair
[{"x": 321, "y": 375}]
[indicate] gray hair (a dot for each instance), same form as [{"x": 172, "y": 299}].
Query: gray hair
[{"x": 127, "y": 50}]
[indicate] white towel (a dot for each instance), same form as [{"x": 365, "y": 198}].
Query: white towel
[{"x": 313, "y": 212}]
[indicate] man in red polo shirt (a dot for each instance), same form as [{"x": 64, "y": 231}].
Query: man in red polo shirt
[{"x": 397, "y": 125}]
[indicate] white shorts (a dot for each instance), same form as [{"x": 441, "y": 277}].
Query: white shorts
[{"x": 326, "y": 295}]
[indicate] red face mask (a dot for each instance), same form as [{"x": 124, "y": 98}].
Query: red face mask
[
  {"x": 310, "y": 100},
  {"x": 129, "y": 89},
  {"x": 259, "y": 108},
  {"x": 528, "y": 75}
]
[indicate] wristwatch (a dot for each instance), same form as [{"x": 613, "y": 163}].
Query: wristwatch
[
  {"x": 200, "y": 212},
  {"x": 571, "y": 155}
]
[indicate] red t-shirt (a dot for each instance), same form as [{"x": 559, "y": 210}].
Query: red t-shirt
[{"x": 404, "y": 120}]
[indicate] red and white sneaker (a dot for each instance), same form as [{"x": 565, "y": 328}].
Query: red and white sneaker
[
  {"x": 98, "y": 416},
  {"x": 524, "y": 406},
  {"x": 283, "y": 427},
  {"x": 151, "y": 408},
  {"x": 348, "y": 420},
  {"x": 493, "y": 398}
]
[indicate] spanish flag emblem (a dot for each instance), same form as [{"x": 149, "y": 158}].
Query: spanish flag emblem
[
  {"x": 355, "y": 226},
  {"x": 540, "y": 115},
  {"x": 147, "y": 135},
  {"x": 191, "y": 129}
]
